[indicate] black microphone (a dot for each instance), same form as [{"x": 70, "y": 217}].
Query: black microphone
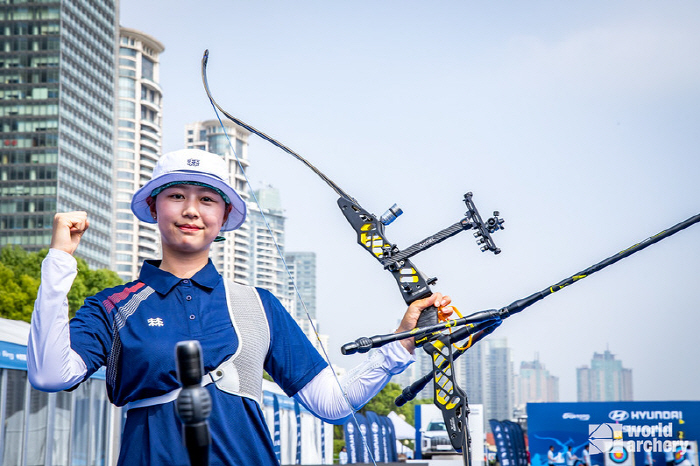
[{"x": 193, "y": 405}]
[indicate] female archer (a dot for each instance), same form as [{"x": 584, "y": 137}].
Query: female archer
[{"x": 132, "y": 329}]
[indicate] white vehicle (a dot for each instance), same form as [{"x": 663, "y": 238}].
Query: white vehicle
[{"x": 435, "y": 440}]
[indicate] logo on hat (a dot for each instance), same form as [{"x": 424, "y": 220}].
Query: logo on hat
[{"x": 193, "y": 162}]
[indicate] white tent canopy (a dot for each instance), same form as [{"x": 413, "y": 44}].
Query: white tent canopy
[
  {"x": 403, "y": 429},
  {"x": 14, "y": 331}
]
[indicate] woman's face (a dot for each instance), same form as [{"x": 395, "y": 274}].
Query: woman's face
[{"x": 189, "y": 217}]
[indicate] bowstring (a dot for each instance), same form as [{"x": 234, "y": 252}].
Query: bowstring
[{"x": 274, "y": 239}]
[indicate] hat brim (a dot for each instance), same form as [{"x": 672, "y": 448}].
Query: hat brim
[{"x": 140, "y": 208}]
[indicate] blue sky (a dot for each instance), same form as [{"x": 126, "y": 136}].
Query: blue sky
[{"x": 578, "y": 121}]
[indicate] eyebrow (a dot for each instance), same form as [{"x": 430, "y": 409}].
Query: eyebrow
[{"x": 173, "y": 184}]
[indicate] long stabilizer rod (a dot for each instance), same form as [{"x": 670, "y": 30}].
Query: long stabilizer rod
[
  {"x": 520, "y": 304},
  {"x": 364, "y": 344}
]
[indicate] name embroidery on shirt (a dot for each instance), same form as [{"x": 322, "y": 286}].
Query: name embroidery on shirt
[{"x": 157, "y": 322}]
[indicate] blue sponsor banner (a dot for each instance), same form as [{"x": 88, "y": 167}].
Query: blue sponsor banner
[
  {"x": 501, "y": 437},
  {"x": 517, "y": 440},
  {"x": 379, "y": 439},
  {"x": 351, "y": 441},
  {"x": 362, "y": 439},
  {"x": 617, "y": 433},
  {"x": 14, "y": 356},
  {"x": 297, "y": 412},
  {"x": 375, "y": 440},
  {"x": 511, "y": 444},
  {"x": 390, "y": 440},
  {"x": 285, "y": 403},
  {"x": 276, "y": 436},
  {"x": 419, "y": 437},
  {"x": 524, "y": 459}
]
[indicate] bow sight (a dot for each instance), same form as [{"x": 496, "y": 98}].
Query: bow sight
[{"x": 412, "y": 283}]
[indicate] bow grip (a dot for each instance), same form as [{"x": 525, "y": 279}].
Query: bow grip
[{"x": 428, "y": 317}]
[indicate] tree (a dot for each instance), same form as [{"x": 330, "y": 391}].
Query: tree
[
  {"x": 17, "y": 294},
  {"x": 19, "y": 282},
  {"x": 383, "y": 403},
  {"x": 20, "y": 274}
]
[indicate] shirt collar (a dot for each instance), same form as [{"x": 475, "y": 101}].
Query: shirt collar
[{"x": 162, "y": 281}]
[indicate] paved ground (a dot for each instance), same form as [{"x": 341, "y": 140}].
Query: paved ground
[{"x": 441, "y": 460}]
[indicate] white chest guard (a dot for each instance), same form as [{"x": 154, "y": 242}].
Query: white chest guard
[{"x": 242, "y": 373}]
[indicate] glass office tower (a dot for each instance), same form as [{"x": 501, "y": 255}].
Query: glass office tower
[{"x": 57, "y": 68}]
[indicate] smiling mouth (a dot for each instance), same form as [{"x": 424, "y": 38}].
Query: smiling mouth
[{"x": 189, "y": 227}]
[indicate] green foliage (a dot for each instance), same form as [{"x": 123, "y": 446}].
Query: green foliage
[
  {"x": 16, "y": 298},
  {"x": 338, "y": 441},
  {"x": 383, "y": 403},
  {"x": 20, "y": 275},
  {"x": 19, "y": 281}
]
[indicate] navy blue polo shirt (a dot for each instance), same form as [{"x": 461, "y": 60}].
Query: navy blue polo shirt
[{"x": 133, "y": 329}]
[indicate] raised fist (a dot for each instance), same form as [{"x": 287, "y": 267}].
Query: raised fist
[{"x": 68, "y": 228}]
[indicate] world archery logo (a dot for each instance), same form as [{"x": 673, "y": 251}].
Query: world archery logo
[{"x": 604, "y": 438}]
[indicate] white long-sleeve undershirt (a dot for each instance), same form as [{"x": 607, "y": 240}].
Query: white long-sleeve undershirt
[
  {"x": 326, "y": 397},
  {"x": 53, "y": 365},
  {"x": 51, "y": 362}
]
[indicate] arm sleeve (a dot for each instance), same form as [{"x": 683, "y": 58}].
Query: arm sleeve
[
  {"x": 334, "y": 402},
  {"x": 51, "y": 363}
]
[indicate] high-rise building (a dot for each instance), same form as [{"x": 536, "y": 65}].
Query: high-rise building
[
  {"x": 302, "y": 268},
  {"x": 472, "y": 367},
  {"x": 267, "y": 270},
  {"x": 302, "y": 278},
  {"x": 139, "y": 145},
  {"x": 499, "y": 403},
  {"x": 605, "y": 380},
  {"x": 231, "y": 257},
  {"x": 534, "y": 383},
  {"x": 57, "y": 73}
]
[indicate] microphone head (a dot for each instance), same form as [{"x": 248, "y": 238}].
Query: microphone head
[{"x": 188, "y": 356}]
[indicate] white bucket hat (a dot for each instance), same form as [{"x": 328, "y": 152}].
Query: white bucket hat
[{"x": 190, "y": 166}]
